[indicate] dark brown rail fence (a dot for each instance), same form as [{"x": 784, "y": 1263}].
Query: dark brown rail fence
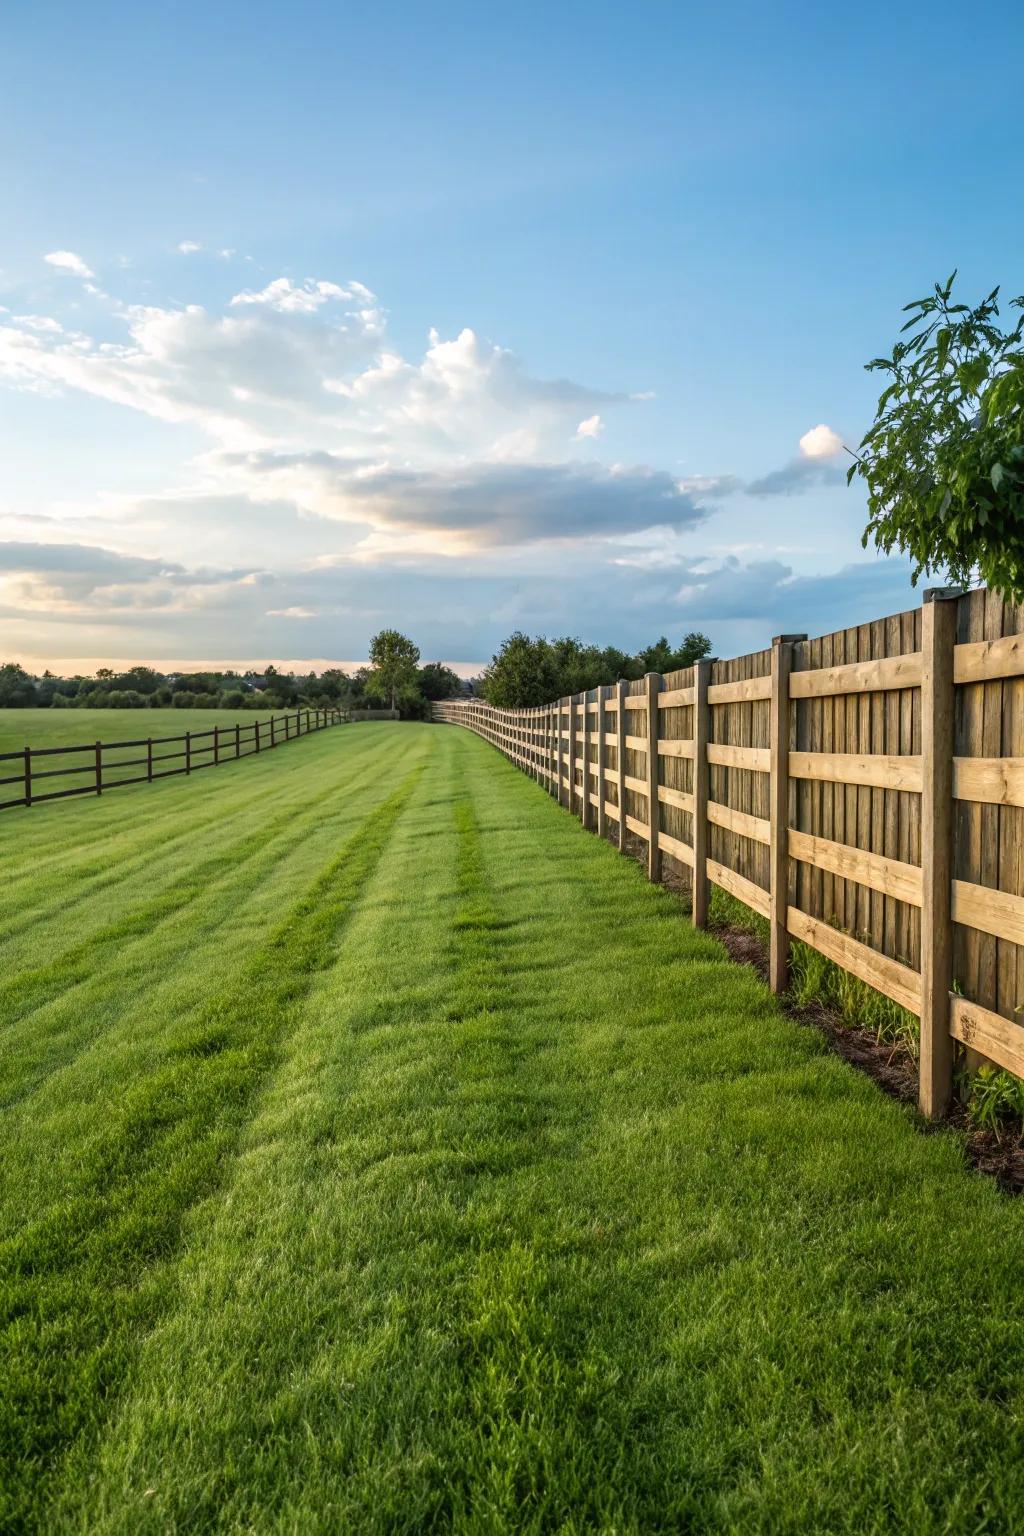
[
  {"x": 862, "y": 791},
  {"x": 101, "y": 766}
]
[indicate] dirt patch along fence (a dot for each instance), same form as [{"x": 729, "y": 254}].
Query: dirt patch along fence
[
  {"x": 100, "y": 766},
  {"x": 863, "y": 791}
]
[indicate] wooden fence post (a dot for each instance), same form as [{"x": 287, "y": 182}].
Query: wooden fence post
[
  {"x": 778, "y": 814},
  {"x": 99, "y": 767},
  {"x": 216, "y": 745},
  {"x": 586, "y": 808},
  {"x": 602, "y": 694},
  {"x": 653, "y": 681},
  {"x": 238, "y": 738},
  {"x": 621, "y": 689},
  {"x": 559, "y": 754},
  {"x": 149, "y": 760},
  {"x": 701, "y": 779},
  {"x": 28, "y": 775},
  {"x": 571, "y": 803},
  {"x": 256, "y": 734},
  {"x": 188, "y": 751},
  {"x": 938, "y": 637}
]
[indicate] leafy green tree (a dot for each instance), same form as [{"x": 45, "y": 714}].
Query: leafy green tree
[
  {"x": 394, "y": 661},
  {"x": 944, "y": 458},
  {"x": 17, "y": 689},
  {"x": 523, "y": 673},
  {"x": 436, "y": 681}
]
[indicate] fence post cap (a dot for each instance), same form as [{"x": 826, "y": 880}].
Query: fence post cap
[
  {"x": 941, "y": 594},
  {"x": 787, "y": 639}
]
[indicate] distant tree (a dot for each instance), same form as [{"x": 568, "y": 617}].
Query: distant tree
[
  {"x": 436, "y": 681},
  {"x": 17, "y": 689},
  {"x": 663, "y": 657},
  {"x": 522, "y": 674},
  {"x": 944, "y": 458},
  {"x": 394, "y": 661},
  {"x": 527, "y": 672},
  {"x": 140, "y": 680}
]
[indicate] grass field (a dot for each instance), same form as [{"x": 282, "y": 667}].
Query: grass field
[
  {"x": 382, "y": 1153},
  {"x": 78, "y": 727}
]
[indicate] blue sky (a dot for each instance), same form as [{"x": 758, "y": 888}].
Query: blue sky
[{"x": 497, "y": 318}]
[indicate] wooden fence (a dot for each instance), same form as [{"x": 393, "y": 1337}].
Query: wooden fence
[
  {"x": 104, "y": 765},
  {"x": 863, "y": 791}
]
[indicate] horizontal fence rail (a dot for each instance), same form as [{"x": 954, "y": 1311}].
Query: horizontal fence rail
[
  {"x": 101, "y": 766},
  {"x": 862, "y": 791}
]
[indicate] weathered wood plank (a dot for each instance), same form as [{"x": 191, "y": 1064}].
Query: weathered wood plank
[
  {"x": 678, "y": 849},
  {"x": 980, "y": 661},
  {"x": 757, "y": 759},
  {"x": 989, "y": 780},
  {"x": 757, "y": 828},
  {"x": 744, "y": 890},
  {"x": 996, "y": 912},
  {"x": 881, "y": 769},
  {"x": 890, "y": 876},
  {"x": 743, "y": 690},
  {"x": 880, "y": 675},
  {"x": 980, "y": 1029}
]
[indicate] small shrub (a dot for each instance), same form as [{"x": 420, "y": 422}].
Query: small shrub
[{"x": 995, "y": 1100}]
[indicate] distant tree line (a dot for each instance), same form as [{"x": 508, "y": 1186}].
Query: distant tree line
[
  {"x": 526, "y": 671},
  {"x": 393, "y": 679}
]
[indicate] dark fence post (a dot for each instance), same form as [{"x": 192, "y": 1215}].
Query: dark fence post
[
  {"x": 256, "y": 731},
  {"x": 188, "y": 751},
  {"x": 149, "y": 760},
  {"x": 216, "y": 745},
  {"x": 99, "y": 767},
  {"x": 238, "y": 738},
  {"x": 28, "y": 775}
]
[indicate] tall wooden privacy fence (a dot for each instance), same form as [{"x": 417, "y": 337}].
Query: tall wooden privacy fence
[
  {"x": 101, "y": 765},
  {"x": 862, "y": 791}
]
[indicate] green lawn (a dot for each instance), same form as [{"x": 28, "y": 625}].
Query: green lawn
[
  {"x": 78, "y": 727},
  {"x": 382, "y": 1154}
]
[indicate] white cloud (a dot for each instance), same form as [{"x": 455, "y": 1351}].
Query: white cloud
[
  {"x": 189, "y": 247},
  {"x": 816, "y": 465},
  {"x": 67, "y": 261},
  {"x": 593, "y": 426},
  {"x": 821, "y": 442},
  {"x": 302, "y": 298},
  {"x": 291, "y": 613}
]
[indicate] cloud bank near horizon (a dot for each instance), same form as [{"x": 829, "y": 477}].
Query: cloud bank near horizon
[{"x": 340, "y": 485}]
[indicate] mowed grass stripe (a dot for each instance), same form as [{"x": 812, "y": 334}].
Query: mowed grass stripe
[
  {"x": 217, "y": 849},
  {"x": 108, "y": 1026},
  {"x": 283, "y": 1275},
  {"x": 140, "y": 835},
  {"x": 547, "y": 1219},
  {"x": 75, "y": 1292}
]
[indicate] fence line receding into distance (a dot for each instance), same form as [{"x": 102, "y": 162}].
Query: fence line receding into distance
[
  {"x": 102, "y": 766},
  {"x": 862, "y": 791}
]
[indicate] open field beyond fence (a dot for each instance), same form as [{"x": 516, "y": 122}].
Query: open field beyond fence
[
  {"x": 381, "y": 1154},
  {"x": 138, "y": 750},
  {"x": 863, "y": 792}
]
